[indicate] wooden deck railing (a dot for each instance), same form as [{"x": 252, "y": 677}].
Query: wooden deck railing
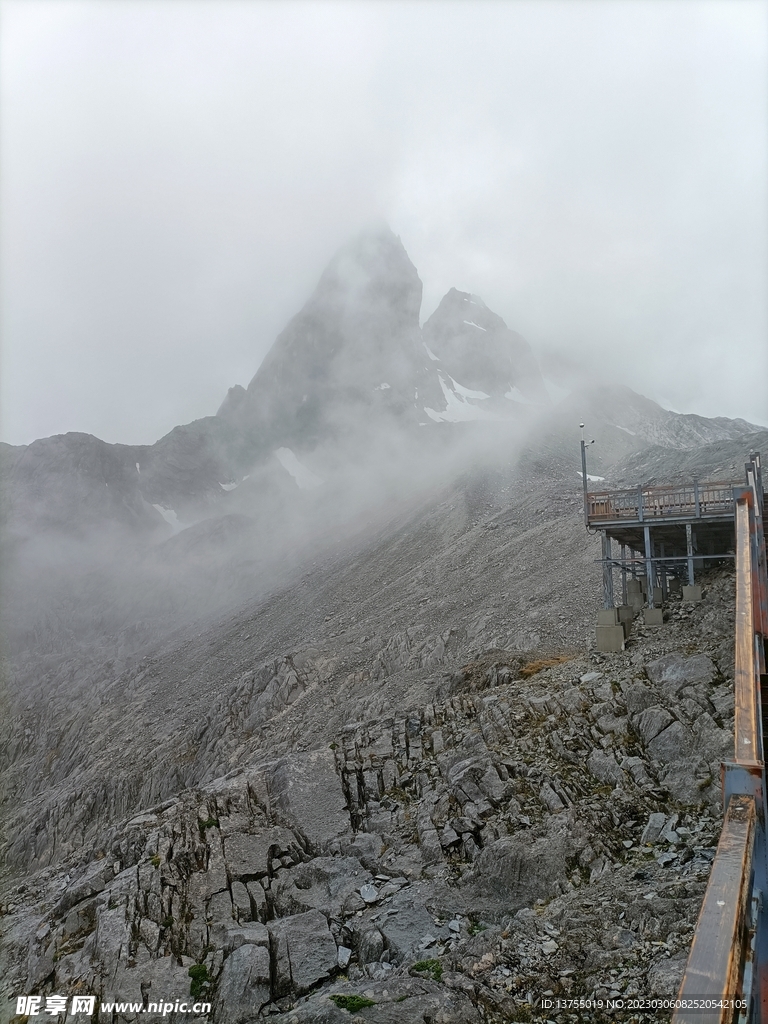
[
  {"x": 726, "y": 976},
  {"x": 689, "y": 501}
]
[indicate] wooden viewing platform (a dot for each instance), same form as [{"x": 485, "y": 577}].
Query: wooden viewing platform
[
  {"x": 665, "y": 534},
  {"x": 712, "y": 500}
]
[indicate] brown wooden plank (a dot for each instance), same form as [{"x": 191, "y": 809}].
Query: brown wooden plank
[
  {"x": 715, "y": 959},
  {"x": 746, "y": 735}
]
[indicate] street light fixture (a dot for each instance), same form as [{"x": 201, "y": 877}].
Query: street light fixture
[{"x": 584, "y": 446}]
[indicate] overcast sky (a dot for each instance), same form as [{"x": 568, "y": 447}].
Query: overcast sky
[{"x": 176, "y": 175}]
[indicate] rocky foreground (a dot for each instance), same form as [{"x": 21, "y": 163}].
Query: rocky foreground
[{"x": 543, "y": 828}]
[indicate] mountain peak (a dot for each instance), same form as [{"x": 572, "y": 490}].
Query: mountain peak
[
  {"x": 475, "y": 346},
  {"x": 348, "y": 354}
]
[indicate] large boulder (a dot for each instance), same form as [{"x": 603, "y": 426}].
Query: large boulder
[
  {"x": 602, "y": 764},
  {"x": 322, "y": 883},
  {"x": 244, "y": 985},
  {"x": 649, "y": 723},
  {"x": 672, "y": 672},
  {"x": 306, "y": 790},
  {"x": 404, "y": 924},
  {"x": 670, "y": 745},
  {"x": 247, "y": 855},
  {"x": 517, "y": 871},
  {"x": 303, "y": 949}
]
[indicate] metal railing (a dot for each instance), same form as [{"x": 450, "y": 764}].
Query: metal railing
[
  {"x": 640, "y": 504},
  {"x": 726, "y": 976}
]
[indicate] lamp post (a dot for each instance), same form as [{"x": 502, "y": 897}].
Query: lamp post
[{"x": 584, "y": 446}]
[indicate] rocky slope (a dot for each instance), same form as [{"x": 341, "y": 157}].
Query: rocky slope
[
  {"x": 300, "y": 711},
  {"x": 517, "y": 826}
]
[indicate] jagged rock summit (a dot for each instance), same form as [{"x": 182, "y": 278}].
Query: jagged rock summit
[
  {"x": 352, "y": 374},
  {"x": 482, "y": 369},
  {"x": 355, "y": 353},
  {"x": 347, "y": 357}
]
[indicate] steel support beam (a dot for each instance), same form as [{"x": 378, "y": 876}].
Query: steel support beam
[
  {"x": 689, "y": 551},
  {"x": 607, "y": 572},
  {"x": 649, "y": 576}
]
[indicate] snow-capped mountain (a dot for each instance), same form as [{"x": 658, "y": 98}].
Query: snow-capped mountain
[{"x": 352, "y": 367}]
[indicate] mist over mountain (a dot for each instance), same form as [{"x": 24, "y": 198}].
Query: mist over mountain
[
  {"x": 314, "y": 673},
  {"x": 352, "y": 370}
]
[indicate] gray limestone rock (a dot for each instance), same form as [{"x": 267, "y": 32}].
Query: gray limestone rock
[
  {"x": 112, "y": 939},
  {"x": 653, "y": 827},
  {"x": 241, "y": 902},
  {"x": 244, "y": 985},
  {"x": 248, "y": 855},
  {"x": 404, "y": 925},
  {"x": 219, "y": 917},
  {"x": 95, "y": 878},
  {"x": 669, "y": 745},
  {"x": 251, "y": 934},
  {"x": 216, "y": 872},
  {"x": 305, "y": 942},
  {"x": 323, "y": 883},
  {"x": 551, "y": 800},
  {"x": 665, "y": 975},
  {"x": 674, "y": 671},
  {"x": 258, "y": 900},
  {"x": 307, "y": 791},
  {"x": 516, "y": 872},
  {"x": 370, "y": 946},
  {"x": 603, "y": 766},
  {"x": 649, "y": 723},
  {"x": 366, "y": 847},
  {"x": 638, "y": 697}
]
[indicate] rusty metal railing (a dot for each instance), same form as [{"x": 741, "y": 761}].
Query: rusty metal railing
[
  {"x": 726, "y": 976},
  {"x": 642, "y": 504}
]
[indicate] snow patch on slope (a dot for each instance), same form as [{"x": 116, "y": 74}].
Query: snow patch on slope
[
  {"x": 305, "y": 478},
  {"x": 473, "y": 324},
  {"x": 458, "y": 409},
  {"x": 555, "y": 392},
  {"x": 466, "y": 392},
  {"x": 170, "y": 517},
  {"x": 516, "y": 395}
]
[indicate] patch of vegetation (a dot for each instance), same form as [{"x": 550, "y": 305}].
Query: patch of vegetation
[
  {"x": 433, "y": 967},
  {"x": 475, "y": 927},
  {"x": 208, "y": 823},
  {"x": 352, "y": 1003},
  {"x": 522, "y": 1015},
  {"x": 167, "y": 922},
  {"x": 539, "y": 664},
  {"x": 199, "y": 975},
  {"x": 334, "y": 745},
  {"x": 155, "y": 861}
]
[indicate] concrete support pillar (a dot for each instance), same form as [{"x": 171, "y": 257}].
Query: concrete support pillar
[
  {"x": 607, "y": 572},
  {"x": 663, "y": 574},
  {"x": 649, "y": 565},
  {"x": 689, "y": 552}
]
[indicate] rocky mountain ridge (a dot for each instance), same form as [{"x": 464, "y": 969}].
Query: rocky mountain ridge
[{"x": 353, "y": 367}]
